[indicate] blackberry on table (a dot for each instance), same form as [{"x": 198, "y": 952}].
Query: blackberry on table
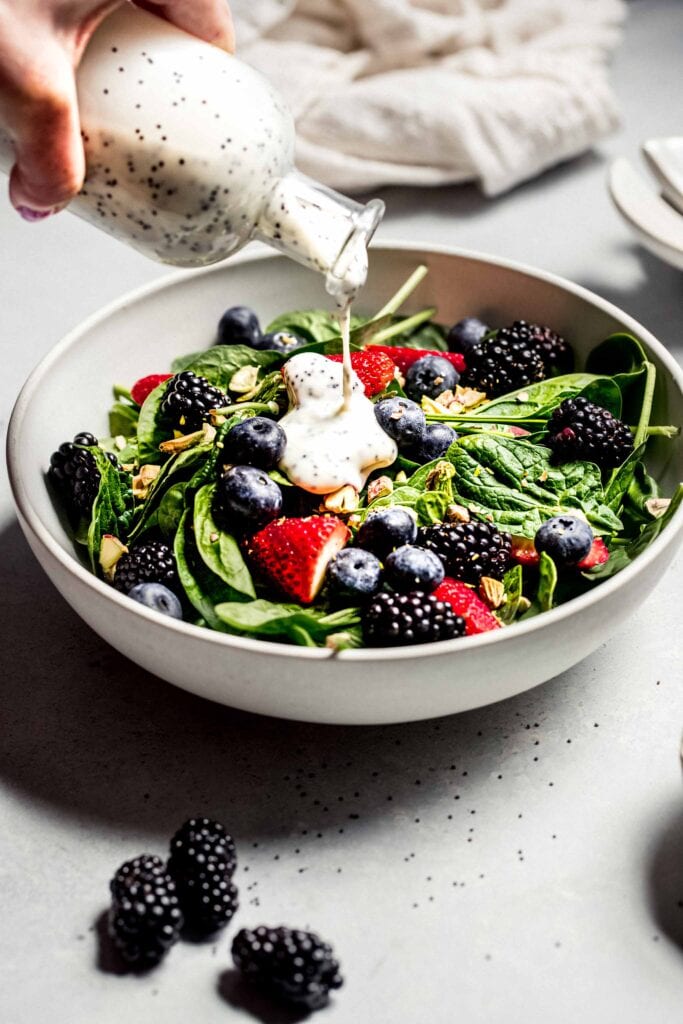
[
  {"x": 295, "y": 967},
  {"x": 200, "y": 841},
  {"x": 152, "y": 562},
  {"x": 579, "y": 429},
  {"x": 202, "y": 862},
  {"x": 397, "y": 620},
  {"x": 505, "y": 362},
  {"x": 145, "y": 918},
  {"x": 469, "y": 550},
  {"x": 188, "y": 400},
  {"x": 75, "y": 476}
]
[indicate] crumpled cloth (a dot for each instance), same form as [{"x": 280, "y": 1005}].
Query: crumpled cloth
[{"x": 430, "y": 92}]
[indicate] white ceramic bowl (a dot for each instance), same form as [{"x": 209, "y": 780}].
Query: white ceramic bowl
[{"x": 70, "y": 391}]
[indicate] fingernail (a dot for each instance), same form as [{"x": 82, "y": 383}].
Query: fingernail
[{"x": 32, "y": 215}]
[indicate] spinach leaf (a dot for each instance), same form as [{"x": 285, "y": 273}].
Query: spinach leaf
[
  {"x": 304, "y": 626},
  {"x": 203, "y": 589},
  {"x": 537, "y": 401},
  {"x": 178, "y": 468},
  {"x": 622, "y": 479},
  {"x": 220, "y": 363},
  {"x": 642, "y": 488},
  {"x": 314, "y": 325},
  {"x": 623, "y": 555},
  {"x": 547, "y": 581},
  {"x": 109, "y": 508},
  {"x": 171, "y": 508},
  {"x": 512, "y": 484},
  {"x": 123, "y": 419},
  {"x": 623, "y": 358},
  {"x": 513, "y": 583},
  {"x": 149, "y": 431},
  {"x": 219, "y": 550}
]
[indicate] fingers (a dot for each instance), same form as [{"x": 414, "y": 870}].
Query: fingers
[
  {"x": 44, "y": 124},
  {"x": 208, "y": 19}
]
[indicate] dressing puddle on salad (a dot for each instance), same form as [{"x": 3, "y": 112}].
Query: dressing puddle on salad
[{"x": 333, "y": 480}]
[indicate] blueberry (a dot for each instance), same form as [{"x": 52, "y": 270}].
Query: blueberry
[
  {"x": 158, "y": 597},
  {"x": 281, "y": 341},
  {"x": 429, "y": 376},
  {"x": 239, "y": 326},
  {"x": 411, "y": 568},
  {"x": 466, "y": 334},
  {"x": 353, "y": 575},
  {"x": 256, "y": 442},
  {"x": 386, "y": 529},
  {"x": 246, "y": 498},
  {"x": 567, "y": 539},
  {"x": 401, "y": 419},
  {"x": 435, "y": 442}
]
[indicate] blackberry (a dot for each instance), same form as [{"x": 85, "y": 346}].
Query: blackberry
[
  {"x": 578, "y": 429},
  {"x": 152, "y": 562},
  {"x": 208, "y": 900},
  {"x": 75, "y": 476},
  {"x": 556, "y": 353},
  {"x": 469, "y": 550},
  {"x": 507, "y": 361},
  {"x": 396, "y": 620},
  {"x": 199, "y": 842},
  {"x": 188, "y": 401},
  {"x": 295, "y": 967},
  {"x": 143, "y": 870},
  {"x": 145, "y": 918}
]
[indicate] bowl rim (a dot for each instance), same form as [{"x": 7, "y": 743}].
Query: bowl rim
[{"x": 78, "y": 572}]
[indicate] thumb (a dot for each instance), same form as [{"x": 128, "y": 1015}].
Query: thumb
[{"x": 50, "y": 163}]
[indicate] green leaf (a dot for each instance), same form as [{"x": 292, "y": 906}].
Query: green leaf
[
  {"x": 622, "y": 556},
  {"x": 547, "y": 581},
  {"x": 512, "y": 484},
  {"x": 219, "y": 550},
  {"x": 622, "y": 479},
  {"x": 314, "y": 325},
  {"x": 220, "y": 363},
  {"x": 123, "y": 419},
  {"x": 109, "y": 507},
  {"x": 303, "y": 626},
  {"x": 513, "y": 582},
  {"x": 149, "y": 430},
  {"x": 203, "y": 589},
  {"x": 537, "y": 401},
  {"x": 178, "y": 468},
  {"x": 171, "y": 508}
]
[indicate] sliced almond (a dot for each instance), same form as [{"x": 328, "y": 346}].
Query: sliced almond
[
  {"x": 492, "y": 591},
  {"x": 657, "y": 506},
  {"x": 379, "y": 487},
  {"x": 342, "y": 501},
  {"x": 245, "y": 379},
  {"x": 143, "y": 481},
  {"x": 111, "y": 549}
]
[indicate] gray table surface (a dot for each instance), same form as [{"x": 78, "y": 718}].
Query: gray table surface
[{"x": 521, "y": 863}]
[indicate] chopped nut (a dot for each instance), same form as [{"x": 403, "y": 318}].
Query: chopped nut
[
  {"x": 354, "y": 520},
  {"x": 379, "y": 487},
  {"x": 523, "y": 605},
  {"x": 492, "y": 591},
  {"x": 128, "y": 466},
  {"x": 543, "y": 477},
  {"x": 458, "y": 513},
  {"x": 111, "y": 549},
  {"x": 523, "y": 396},
  {"x": 142, "y": 483},
  {"x": 657, "y": 506},
  {"x": 433, "y": 405},
  {"x": 244, "y": 379},
  {"x": 120, "y": 442},
  {"x": 342, "y": 501},
  {"x": 441, "y": 471},
  {"x": 213, "y": 537},
  {"x": 185, "y": 441},
  {"x": 217, "y": 418}
]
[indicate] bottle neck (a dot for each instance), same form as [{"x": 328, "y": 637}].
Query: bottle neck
[{"x": 321, "y": 229}]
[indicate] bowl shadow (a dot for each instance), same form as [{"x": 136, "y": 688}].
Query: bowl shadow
[
  {"x": 88, "y": 732},
  {"x": 239, "y": 995},
  {"x": 665, "y": 879}
]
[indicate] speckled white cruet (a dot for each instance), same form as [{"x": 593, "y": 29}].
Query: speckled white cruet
[{"x": 190, "y": 154}]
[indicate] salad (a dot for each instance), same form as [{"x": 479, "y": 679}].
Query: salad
[{"x": 467, "y": 477}]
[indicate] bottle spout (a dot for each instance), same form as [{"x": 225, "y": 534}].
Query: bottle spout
[{"x": 321, "y": 229}]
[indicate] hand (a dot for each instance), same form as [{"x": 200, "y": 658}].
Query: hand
[{"x": 41, "y": 43}]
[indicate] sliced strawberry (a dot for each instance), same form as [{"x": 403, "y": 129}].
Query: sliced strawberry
[
  {"x": 466, "y": 602},
  {"x": 597, "y": 555},
  {"x": 292, "y": 554},
  {"x": 517, "y": 431},
  {"x": 146, "y": 385},
  {"x": 403, "y": 358},
  {"x": 374, "y": 369},
  {"x": 524, "y": 552}
]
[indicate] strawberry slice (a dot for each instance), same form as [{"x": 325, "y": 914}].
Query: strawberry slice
[
  {"x": 466, "y": 602},
  {"x": 524, "y": 552},
  {"x": 403, "y": 358},
  {"x": 374, "y": 369},
  {"x": 146, "y": 385},
  {"x": 597, "y": 555},
  {"x": 292, "y": 554}
]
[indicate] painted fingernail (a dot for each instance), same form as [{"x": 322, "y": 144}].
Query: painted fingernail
[{"x": 32, "y": 215}]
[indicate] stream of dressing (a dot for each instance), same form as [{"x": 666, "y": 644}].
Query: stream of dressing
[{"x": 347, "y": 370}]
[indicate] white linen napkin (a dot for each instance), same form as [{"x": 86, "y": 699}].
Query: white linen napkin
[{"x": 428, "y": 92}]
